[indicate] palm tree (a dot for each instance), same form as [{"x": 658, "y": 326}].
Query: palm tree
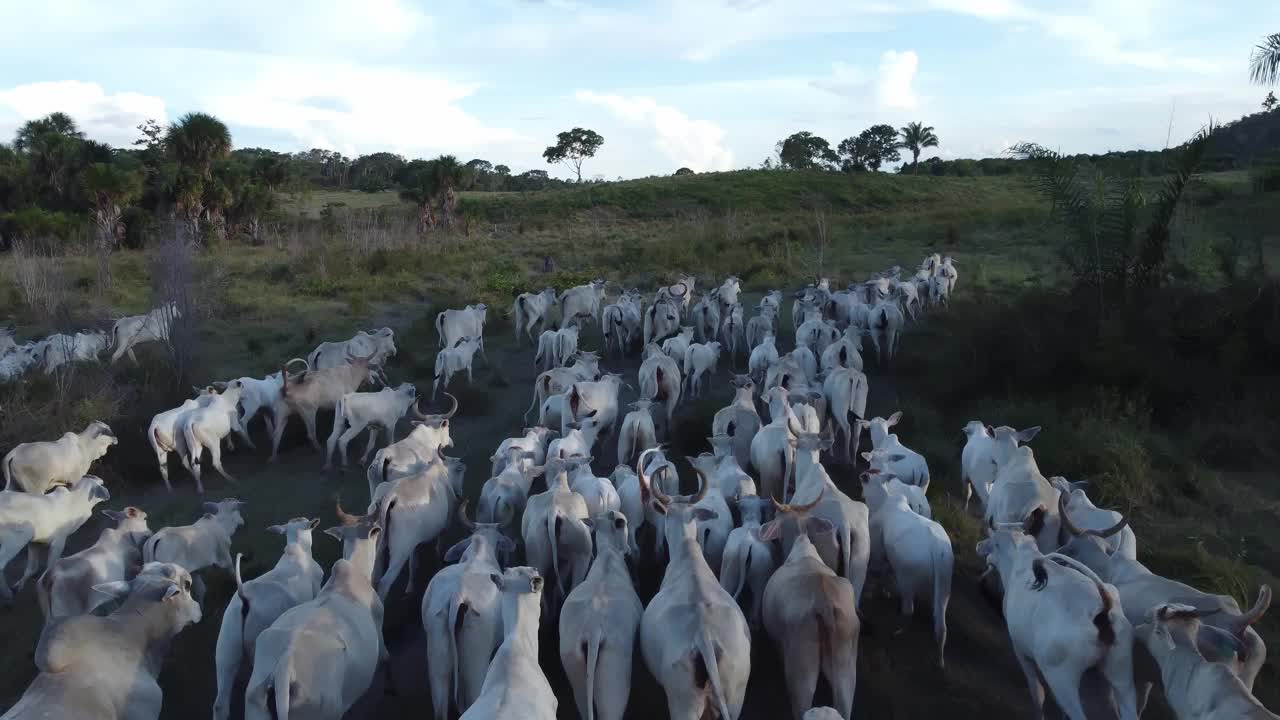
[
  {"x": 917, "y": 136},
  {"x": 422, "y": 190},
  {"x": 197, "y": 140},
  {"x": 111, "y": 188},
  {"x": 51, "y": 145},
  {"x": 1264, "y": 64},
  {"x": 450, "y": 175}
]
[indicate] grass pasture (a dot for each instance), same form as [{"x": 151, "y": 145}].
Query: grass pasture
[{"x": 1166, "y": 410}]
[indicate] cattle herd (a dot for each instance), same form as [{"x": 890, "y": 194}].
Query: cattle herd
[{"x": 765, "y": 545}]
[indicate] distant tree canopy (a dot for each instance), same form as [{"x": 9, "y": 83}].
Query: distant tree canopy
[
  {"x": 872, "y": 148},
  {"x": 684, "y": 171},
  {"x": 1269, "y": 102},
  {"x": 573, "y": 147},
  {"x": 917, "y": 136},
  {"x": 805, "y": 151}
]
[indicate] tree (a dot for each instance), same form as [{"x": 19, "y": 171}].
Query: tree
[
  {"x": 805, "y": 151},
  {"x": 1108, "y": 249},
  {"x": 1264, "y": 63},
  {"x": 51, "y": 145},
  {"x": 1269, "y": 102},
  {"x": 915, "y": 137},
  {"x": 198, "y": 140},
  {"x": 574, "y": 147},
  {"x": 422, "y": 191},
  {"x": 254, "y": 202},
  {"x": 450, "y": 175},
  {"x": 872, "y": 148},
  {"x": 684, "y": 171},
  {"x": 111, "y": 188}
]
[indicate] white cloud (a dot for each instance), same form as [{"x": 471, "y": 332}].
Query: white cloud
[
  {"x": 696, "y": 144},
  {"x": 894, "y": 85},
  {"x": 111, "y": 118},
  {"x": 358, "y": 109}
]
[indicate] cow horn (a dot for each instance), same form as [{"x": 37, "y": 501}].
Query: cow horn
[
  {"x": 644, "y": 481},
  {"x": 344, "y": 517},
  {"x": 417, "y": 411},
  {"x": 1104, "y": 534},
  {"x": 1066, "y": 518},
  {"x": 1259, "y": 608},
  {"x": 684, "y": 290},
  {"x": 452, "y": 409},
  {"x": 703, "y": 485},
  {"x": 462, "y": 517},
  {"x": 305, "y": 365}
]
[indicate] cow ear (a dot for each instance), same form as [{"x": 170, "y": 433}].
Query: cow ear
[
  {"x": 454, "y": 553},
  {"x": 769, "y": 531},
  {"x": 894, "y": 418},
  {"x": 334, "y": 532},
  {"x": 1029, "y": 434},
  {"x": 277, "y": 529},
  {"x": 115, "y": 515},
  {"x": 114, "y": 590},
  {"x": 314, "y": 523},
  {"x": 816, "y": 527},
  {"x": 866, "y": 456}
]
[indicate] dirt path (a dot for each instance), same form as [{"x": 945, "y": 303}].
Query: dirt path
[{"x": 898, "y": 677}]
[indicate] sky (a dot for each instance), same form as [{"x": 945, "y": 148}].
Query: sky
[{"x": 704, "y": 84}]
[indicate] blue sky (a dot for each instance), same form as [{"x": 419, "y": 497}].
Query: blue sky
[{"x": 708, "y": 84}]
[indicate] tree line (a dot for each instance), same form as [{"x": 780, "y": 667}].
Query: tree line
[{"x": 867, "y": 151}]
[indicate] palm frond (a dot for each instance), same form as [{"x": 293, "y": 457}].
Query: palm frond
[{"x": 1264, "y": 63}]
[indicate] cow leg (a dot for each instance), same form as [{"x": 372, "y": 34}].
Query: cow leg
[
  {"x": 35, "y": 558},
  {"x": 613, "y": 682},
  {"x": 243, "y": 432},
  {"x": 277, "y": 432},
  {"x": 162, "y": 461},
  {"x": 1117, "y": 667},
  {"x": 394, "y": 567},
  {"x": 227, "y": 655},
  {"x": 368, "y": 450},
  {"x": 840, "y": 667},
  {"x": 1064, "y": 683},
  {"x": 132, "y": 357},
  {"x": 800, "y": 666},
  {"x": 309, "y": 418},
  {"x": 1033, "y": 685},
  {"x": 197, "y": 455},
  {"x": 331, "y": 444},
  {"x": 906, "y": 592},
  {"x": 11, "y": 543},
  {"x": 215, "y": 456}
]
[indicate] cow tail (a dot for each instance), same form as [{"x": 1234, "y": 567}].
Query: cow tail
[
  {"x": 706, "y": 648},
  {"x": 440, "y": 327},
  {"x": 593, "y": 657},
  {"x": 281, "y": 678},
  {"x": 553, "y": 534},
  {"x": 8, "y": 472},
  {"x": 942, "y": 568},
  {"x": 457, "y": 613}
]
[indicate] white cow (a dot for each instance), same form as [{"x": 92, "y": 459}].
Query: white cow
[
  {"x": 533, "y": 309},
  {"x": 374, "y": 410},
  {"x": 885, "y": 322},
  {"x": 706, "y": 317},
  {"x": 733, "y": 331},
  {"x": 580, "y": 302},
  {"x": 453, "y": 360},
  {"x": 1063, "y": 621},
  {"x": 534, "y": 441},
  {"x": 585, "y": 367},
  {"x": 599, "y": 623},
  {"x": 849, "y": 549},
  {"x": 676, "y": 345},
  {"x": 454, "y": 325},
  {"x": 977, "y": 462},
  {"x": 845, "y": 390},
  {"x": 414, "y": 451},
  {"x": 205, "y": 427},
  {"x": 693, "y": 636},
  {"x": 318, "y": 658},
  {"x": 763, "y": 356},
  {"x": 381, "y": 344},
  {"x": 661, "y": 382},
  {"x": 909, "y": 465},
  {"x": 309, "y": 392},
  {"x": 81, "y": 347},
  {"x": 415, "y": 510},
  {"x": 257, "y": 604},
  {"x": 515, "y": 685},
  {"x": 1195, "y": 687},
  {"x": 462, "y": 616},
  {"x": 129, "y": 332},
  {"x": 1078, "y": 510},
  {"x": 699, "y": 359},
  {"x": 203, "y": 544},
  {"x": 811, "y": 614},
  {"x": 739, "y": 419},
  {"x": 163, "y": 435},
  {"x": 19, "y": 359},
  {"x": 66, "y": 588},
  {"x": 749, "y": 561},
  {"x": 761, "y": 325},
  {"x": 556, "y": 538},
  {"x": 106, "y": 668},
  {"x": 27, "y": 519},
  {"x": 917, "y": 551},
  {"x": 35, "y": 467},
  {"x": 638, "y": 433}
]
